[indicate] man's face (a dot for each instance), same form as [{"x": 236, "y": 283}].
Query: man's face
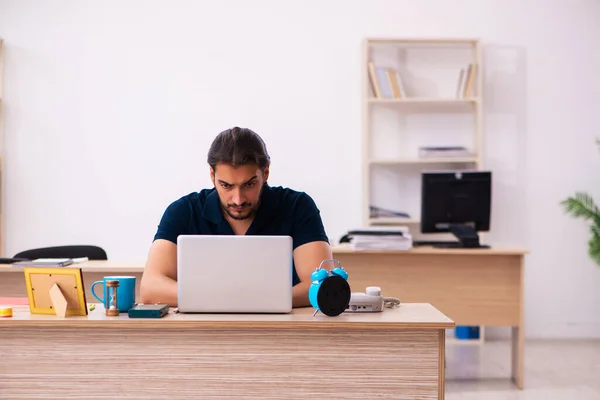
[{"x": 239, "y": 188}]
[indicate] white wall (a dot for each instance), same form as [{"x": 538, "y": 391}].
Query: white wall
[{"x": 110, "y": 107}]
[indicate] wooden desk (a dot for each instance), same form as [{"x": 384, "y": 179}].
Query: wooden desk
[
  {"x": 471, "y": 286},
  {"x": 398, "y": 354},
  {"x": 482, "y": 287}
]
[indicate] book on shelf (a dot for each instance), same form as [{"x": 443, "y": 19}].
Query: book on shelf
[
  {"x": 385, "y": 82},
  {"x": 466, "y": 81}
]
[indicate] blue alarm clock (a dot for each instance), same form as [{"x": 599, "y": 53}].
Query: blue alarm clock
[{"x": 329, "y": 291}]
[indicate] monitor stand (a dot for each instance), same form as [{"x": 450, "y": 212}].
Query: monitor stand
[{"x": 468, "y": 238}]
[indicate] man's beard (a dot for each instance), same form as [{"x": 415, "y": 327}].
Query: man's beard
[{"x": 248, "y": 211}]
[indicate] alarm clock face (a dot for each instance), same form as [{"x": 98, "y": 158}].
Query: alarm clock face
[{"x": 334, "y": 296}]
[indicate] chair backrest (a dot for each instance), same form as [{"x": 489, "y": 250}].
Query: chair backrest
[{"x": 77, "y": 251}]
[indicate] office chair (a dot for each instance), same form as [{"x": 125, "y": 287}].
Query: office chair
[{"x": 77, "y": 251}]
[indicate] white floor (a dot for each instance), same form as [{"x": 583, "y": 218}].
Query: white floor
[{"x": 554, "y": 370}]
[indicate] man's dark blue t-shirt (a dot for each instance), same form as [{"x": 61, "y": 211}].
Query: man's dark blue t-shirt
[{"x": 282, "y": 211}]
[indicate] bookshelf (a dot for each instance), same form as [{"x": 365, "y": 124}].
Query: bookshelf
[
  {"x": 418, "y": 93},
  {"x": 1, "y": 148},
  {"x": 422, "y": 111}
]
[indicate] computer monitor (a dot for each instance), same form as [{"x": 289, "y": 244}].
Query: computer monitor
[{"x": 458, "y": 202}]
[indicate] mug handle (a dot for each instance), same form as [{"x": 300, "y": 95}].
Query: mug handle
[{"x": 94, "y": 293}]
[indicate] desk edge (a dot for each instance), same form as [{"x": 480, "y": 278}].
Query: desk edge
[{"x": 212, "y": 324}]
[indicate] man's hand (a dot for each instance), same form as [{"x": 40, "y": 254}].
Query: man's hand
[
  {"x": 159, "y": 281},
  {"x": 306, "y": 259}
]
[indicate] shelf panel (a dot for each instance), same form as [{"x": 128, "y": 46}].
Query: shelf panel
[
  {"x": 432, "y": 160},
  {"x": 423, "y": 100},
  {"x": 422, "y": 41}
]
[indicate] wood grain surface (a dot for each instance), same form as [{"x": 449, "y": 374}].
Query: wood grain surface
[
  {"x": 208, "y": 363},
  {"x": 410, "y": 315},
  {"x": 480, "y": 291}
]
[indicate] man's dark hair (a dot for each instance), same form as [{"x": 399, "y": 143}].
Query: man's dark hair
[{"x": 238, "y": 146}]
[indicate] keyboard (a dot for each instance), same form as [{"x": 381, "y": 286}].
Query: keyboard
[
  {"x": 434, "y": 242},
  {"x": 447, "y": 244}
]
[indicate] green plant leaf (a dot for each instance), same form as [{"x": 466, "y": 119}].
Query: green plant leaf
[
  {"x": 594, "y": 244},
  {"x": 582, "y": 206}
]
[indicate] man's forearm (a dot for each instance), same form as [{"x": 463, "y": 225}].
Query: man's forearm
[
  {"x": 300, "y": 294},
  {"x": 158, "y": 289}
]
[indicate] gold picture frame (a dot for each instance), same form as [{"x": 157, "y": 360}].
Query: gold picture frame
[{"x": 51, "y": 289}]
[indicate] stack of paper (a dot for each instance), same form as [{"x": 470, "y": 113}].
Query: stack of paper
[
  {"x": 45, "y": 262},
  {"x": 380, "y": 239},
  {"x": 444, "y": 151}
]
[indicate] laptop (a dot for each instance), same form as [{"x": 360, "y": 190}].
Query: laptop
[{"x": 234, "y": 274}]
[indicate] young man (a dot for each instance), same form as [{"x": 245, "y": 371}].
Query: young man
[{"x": 241, "y": 203}]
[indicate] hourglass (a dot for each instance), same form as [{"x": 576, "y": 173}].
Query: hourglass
[{"x": 111, "y": 292}]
